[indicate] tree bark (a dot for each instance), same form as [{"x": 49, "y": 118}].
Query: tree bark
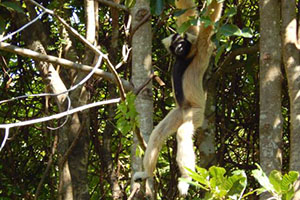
[
  {"x": 292, "y": 68},
  {"x": 141, "y": 71},
  {"x": 80, "y": 122},
  {"x": 206, "y": 138},
  {"x": 270, "y": 121}
]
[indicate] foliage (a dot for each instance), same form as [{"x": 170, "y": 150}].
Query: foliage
[
  {"x": 126, "y": 115},
  {"x": 219, "y": 186},
  {"x": 280, "y": 187}
]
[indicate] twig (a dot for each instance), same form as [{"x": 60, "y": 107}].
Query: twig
[
  {"x": 152, "y": 76},
  {"x": 114, "y": 5}
]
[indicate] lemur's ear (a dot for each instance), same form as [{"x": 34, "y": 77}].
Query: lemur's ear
[{"x": 167, "y": 42}]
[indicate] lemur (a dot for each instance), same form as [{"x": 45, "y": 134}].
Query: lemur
[{"x": 192, "y": 52}]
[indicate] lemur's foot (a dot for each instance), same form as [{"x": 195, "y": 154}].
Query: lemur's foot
[
  {"x": 140, "y": 176},
  {"x": 183, "y": 188}
]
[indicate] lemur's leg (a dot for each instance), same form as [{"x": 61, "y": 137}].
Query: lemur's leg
[
  {"x": 185, "y": 147},
  {"x": 165, "y": 128}
]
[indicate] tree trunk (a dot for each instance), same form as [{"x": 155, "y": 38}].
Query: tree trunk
[
  {"x": 141, "y": 70},
  {"x": 206, "y": 139},
  {"x": 292, "y": 68},
  {"x": 80, "y": 123},
  {"x": 270, "y": 121}
]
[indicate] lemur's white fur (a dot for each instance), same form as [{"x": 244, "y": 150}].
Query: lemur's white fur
[{"x": 186, "y": 118}]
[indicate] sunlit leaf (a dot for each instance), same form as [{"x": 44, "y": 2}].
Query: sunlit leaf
[
  {"x": 230, "y": 30},
  {"x": 275, "y": 178}
]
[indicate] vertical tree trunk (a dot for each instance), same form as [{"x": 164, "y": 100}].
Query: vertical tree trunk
[
  {"x": 292, "y": 68},
  {"x": 207, "y": 145},
  {"x": 270, "y": 121},
  {"x": 78, "y": 129},
  {"x": 141, "y": 70}
]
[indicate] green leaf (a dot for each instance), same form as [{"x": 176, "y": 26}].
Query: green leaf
[
  {"x": 275, "y": 178},
  {"x": 217, "y": 172},
  {"x": 289, "y": 195},
  {"x": 217, "y": 176},
  {"x": 159, "y": 7},
  {"x": 206, "y": 20},
  {"x": 247, "y": 33},
  {"x": 231, "y": 12},
  {"x": 184, "y": 27},
  {"x": 208, "y": 2},
  {"x": 14, "y": 6},
  {"x": 263, "y": 180},
  {"x": 201, "y": 176},
  {"x": 230, "y": 30},
  {"x": 288, "y": 180},
  {"x": 238, "y": 183},
  {"x": 179, "y": 12}
]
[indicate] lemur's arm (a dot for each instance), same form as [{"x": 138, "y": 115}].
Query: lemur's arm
[
  {"x": 213, "y": 11},
  {"x": 191, "y": 11}
]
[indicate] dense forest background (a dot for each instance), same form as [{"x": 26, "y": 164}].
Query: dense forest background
[{"x": 252, "y": 113}]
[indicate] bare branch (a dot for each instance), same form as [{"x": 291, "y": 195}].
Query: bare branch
[{"x": 61, "y": 61}]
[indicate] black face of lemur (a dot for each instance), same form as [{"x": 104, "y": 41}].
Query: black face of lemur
[{"x": 180, "y": 46}]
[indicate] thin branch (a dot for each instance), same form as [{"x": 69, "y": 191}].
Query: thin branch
[
  {"x": 56, "y": 116},
  {"x": 61, "y": 61},
  {"x": 114, "y": 5},
  {"x": 152, "y": 76}
]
